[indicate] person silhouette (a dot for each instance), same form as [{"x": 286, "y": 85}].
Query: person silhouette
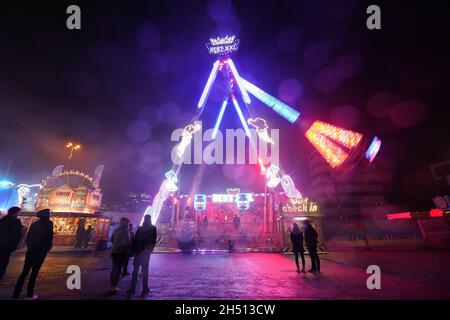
[
  {"x": 10, "y": 236},
  {"x": 311, "y": 236},
  {"x": 39, "y": 242},
  {"x": 297, "y": 246},
  {"x": 144, "y": 242}
]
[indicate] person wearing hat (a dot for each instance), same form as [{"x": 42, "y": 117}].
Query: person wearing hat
[
  {"x": 39, "y": 241},
  {"x": 10, "y": 235}
]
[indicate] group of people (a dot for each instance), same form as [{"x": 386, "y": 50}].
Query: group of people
[
  {"x": 310, "y": 237},
  {"x": 39, "y": 241},
  {"x": 126, "y": 244},
  {"x": 83, "y": 236}
]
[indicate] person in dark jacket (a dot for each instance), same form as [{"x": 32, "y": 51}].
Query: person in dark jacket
[
  {"x": 311, "y": 236},
  {"x": 10, "y": 235},
  {"x": 39, "y": 242},
  {"x": 87, "y": 237},
  {"x": 81, "y": 231},
  {"x": 120, "y": 248},
  {"x": 144, "y": 242},
  {"x": 125, "y": 265},
  {"x": 297, "y": 246}
]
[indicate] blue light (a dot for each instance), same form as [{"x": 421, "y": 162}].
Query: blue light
[
  {"x": 207, "y": 89},
  {"x": 278, "y": 106},
  {"x": 373, "y": 149},
  {"x": 241, "y": 116},
  {"x": 219, "y": 118},
  {"x": 4, "y": 184},
  {"x": 200, "y": 202},
  {"x": 239, "y": 82},
  {"x": 243, "y": 201}
]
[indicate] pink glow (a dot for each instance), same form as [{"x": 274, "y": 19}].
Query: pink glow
[{"x": 399, "y": 216}]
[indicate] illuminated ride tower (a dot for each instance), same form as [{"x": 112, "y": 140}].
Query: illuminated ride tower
[{"x": 334, "y": 144}]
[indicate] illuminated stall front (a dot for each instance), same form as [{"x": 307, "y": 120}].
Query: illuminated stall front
[
  {"x": 292, "y": 211},
  {"x": 74, "y": 198}
]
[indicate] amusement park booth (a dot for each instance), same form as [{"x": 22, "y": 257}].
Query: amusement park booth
[{"x": 74, "y": 198}]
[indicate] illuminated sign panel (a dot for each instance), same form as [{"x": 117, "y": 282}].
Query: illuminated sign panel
[
  {"x": 222, "y": 198},
  {"x": 302, "y": 205},
  {"x": 223, "y": 45}
]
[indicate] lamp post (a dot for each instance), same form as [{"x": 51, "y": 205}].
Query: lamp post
[{"x": 72, "y": 147}]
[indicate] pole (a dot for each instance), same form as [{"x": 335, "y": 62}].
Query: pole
[{"x": 265, "y": 207}]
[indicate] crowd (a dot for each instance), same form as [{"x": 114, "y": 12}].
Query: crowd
[
  {"x": 39, "y": 241},
  {"x": 125, "y": 244}
]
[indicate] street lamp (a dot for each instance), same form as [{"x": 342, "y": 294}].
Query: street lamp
[{"x": 72, "y": 147}]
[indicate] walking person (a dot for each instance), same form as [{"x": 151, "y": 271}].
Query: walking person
[
  {"x": 81, "y": 231},
  {"x": 10, "y": 236},
  {"x": 87, "y": 237},
  {"x": 205, "y": 224},
  {"x": 120, "y": 248},
  {"x": 311, "y": 236},
  {"x": 236, "y": 223},
  {"x": 39, "y": 241},
  {"x": 297, "y": 246},
  {"x": 125, "y": 264},
  {"x": 144, "y": 242}
]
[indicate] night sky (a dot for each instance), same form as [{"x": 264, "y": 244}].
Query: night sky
[{"x": 135, "y": 71}]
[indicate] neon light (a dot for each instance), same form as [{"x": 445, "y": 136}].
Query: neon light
[
  {"x": 289, "y": 188},
  {"x": 241, "y": 116},
  {"x": 373, "y": 149},
  {"x": 219, "y": 118},
  {"x": 262, "y": 167},
  {"x": 239, "y": 81},
  {"x": 4, "y": 184},
  {"x": 287, "y": 112},
  {"x": 347, "y": 138},
  {"x": 207, "y": 89},
  {"x": 187, "y": 135},
  {"x": 300, "y": 205},
  {"x": 436, "y": 213},
  {"x": 262, "y": 128},
  {"x": 399, "y": 216},
  {"x": 243, "y": 201},
  {"x": 222, "y": 198},
  {"x": 222, "y": 46},
  {"x": 200, "y": 202},
  {"x": 334, "y": 155},
  {"x": 273, "y": 176},
  {"x": 171, "y": 181},
  {"x": 167, "y": 187}
]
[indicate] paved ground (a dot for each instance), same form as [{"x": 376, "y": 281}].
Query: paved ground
[{"x": 405, "y": 275}]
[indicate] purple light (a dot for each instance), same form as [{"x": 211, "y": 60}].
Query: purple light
[
  {"x": 239, "y": 82},
  {"x": 287, "y": 112},
  {"x": 207, "y": 89},
  {"x": 241, "y": 116},
  {"x": 373, "y": 149},
  {"x": 219, "y": 118}
]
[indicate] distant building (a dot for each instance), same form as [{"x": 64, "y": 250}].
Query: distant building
[{"x": 358, "y": 193}]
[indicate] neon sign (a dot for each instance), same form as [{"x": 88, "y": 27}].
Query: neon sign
[
  {"x": 302, "y": 205},
  {"x": 222, "y": 198},
  {"x": 223, "y": 45},
  {"x": 243, "y": 201},
  {"x": 273, "y": 176},
  {"x": 200, "y": 202}
]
